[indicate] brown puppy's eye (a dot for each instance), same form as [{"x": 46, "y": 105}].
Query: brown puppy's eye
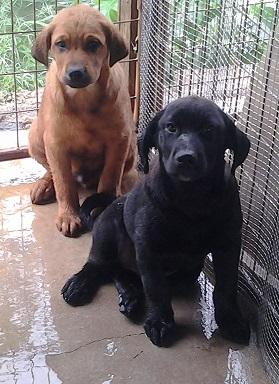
[
  {"x": 92, "y": 46},
  {"x": 171, "y": 128},
  {"x": 60, "y": 44}
]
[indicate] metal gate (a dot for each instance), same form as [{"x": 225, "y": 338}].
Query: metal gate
[{"x": 22, "y": 79}]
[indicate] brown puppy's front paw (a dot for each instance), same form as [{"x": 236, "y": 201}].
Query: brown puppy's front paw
[
  {"x": 43, "y": 192},
  {"x": 69, "y": 224}
]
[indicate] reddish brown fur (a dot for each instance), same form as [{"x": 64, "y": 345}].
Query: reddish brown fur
[{"x": 87, "y": 130}]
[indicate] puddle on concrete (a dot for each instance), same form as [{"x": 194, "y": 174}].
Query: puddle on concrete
[
  {"x": 109, "y": 381},
  {"x": 111, "y": 349},
  {"x": 26, "y": 368},
  {"x": 17, "y": 172},
  {"x": 238, "y": 371},
  {"x": 208, "y": 322},
  {"x": 27, "y": 330}
]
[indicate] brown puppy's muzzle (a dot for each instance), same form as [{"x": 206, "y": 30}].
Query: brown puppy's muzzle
[{"x": 76, "y": 76}]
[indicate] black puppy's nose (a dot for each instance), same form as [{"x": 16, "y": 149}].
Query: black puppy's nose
[{"x": 187, "y": 159}]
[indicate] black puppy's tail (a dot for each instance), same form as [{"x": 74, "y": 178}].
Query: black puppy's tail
[{"x": 97, "y": 200}]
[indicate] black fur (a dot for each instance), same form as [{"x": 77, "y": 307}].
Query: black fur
[
  {"x": 186, "y": 207},
  {"x": 97, "y": 200}
]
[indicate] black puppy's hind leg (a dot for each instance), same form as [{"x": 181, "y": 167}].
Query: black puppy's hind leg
[{"x": 130, "y": 292}]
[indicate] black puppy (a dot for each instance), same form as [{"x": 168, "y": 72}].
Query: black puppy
[{"x": 185, "y": 208}]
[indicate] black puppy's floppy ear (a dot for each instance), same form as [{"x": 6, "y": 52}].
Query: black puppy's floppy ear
[
  {"x": 238, "y": 142},
  {"x": 41, "y": 45},
  {"x": 148, "y": 140}
]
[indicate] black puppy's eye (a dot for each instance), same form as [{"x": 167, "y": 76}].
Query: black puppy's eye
[
  {"x": 207, "y": 132},
  {"x": 171, "y": 128},
  {"x": 60, "y": 44},
  {"x": 92, "y": 45}
]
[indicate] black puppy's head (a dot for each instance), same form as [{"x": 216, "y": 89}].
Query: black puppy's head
[{"x": 192, "y": 134}]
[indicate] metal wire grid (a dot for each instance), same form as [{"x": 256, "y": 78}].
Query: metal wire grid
[
  {"x": 228, "y": 51},
  {"x": 9, "y": 103}
]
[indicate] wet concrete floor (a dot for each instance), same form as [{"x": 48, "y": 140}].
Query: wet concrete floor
[{"x": 43, "y": 340}]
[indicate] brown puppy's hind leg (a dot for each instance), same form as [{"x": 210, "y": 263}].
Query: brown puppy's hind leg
[{"x": 43, "y": 191}]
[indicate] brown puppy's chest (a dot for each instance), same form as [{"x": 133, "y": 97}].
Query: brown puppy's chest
[
  {"x": 87, "y": 170},
  {"x": 85, "y": 135},
  {"x": 86, "y": 147},
  {"x": 88, "y": 138}
]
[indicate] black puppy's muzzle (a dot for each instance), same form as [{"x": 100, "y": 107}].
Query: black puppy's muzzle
[
  {"x": 186, "y": 165},
  {"x": 186, "y": 159},
  {"x": 76, "y": 76}
]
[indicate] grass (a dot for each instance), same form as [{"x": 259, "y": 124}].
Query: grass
[{"x": 20, "y": 44}]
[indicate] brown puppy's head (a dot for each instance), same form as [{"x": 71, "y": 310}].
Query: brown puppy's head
[{"x": 82, "y": 42}]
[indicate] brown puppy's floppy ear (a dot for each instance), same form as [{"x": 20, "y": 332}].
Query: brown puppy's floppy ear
[
  {"x": 238, "y": 142},
  {"x": 41, "y": 46},
  {"x": 117, "y": 46},
  {"x": 148, "y": 140}
]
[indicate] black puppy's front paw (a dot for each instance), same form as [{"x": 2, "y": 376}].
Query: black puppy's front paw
[
  {"x": 234, "y": 328},
  {"x": 78, "y": 290},
  {"x": 159, "y": 330}
]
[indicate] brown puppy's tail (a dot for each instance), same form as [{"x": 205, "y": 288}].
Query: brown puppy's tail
[{"x": 97, "y": 200}]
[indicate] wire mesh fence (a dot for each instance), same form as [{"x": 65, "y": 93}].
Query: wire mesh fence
[
  {"x": 22, "y": 79},
  {"x": 228, "y": 51}
]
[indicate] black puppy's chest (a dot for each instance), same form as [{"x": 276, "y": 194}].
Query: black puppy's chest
[
  {"x": 182, "y": 244},
  {"x": 182, "y": 235}
]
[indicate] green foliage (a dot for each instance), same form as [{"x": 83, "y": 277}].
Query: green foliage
[
  {"x": 196, "y": 36},
  {"x": 20, "y": 44},
  {"x": 265, "y": 13},
  {"x": 108, "y": 7},
  {"x": 205, "y": 38}
]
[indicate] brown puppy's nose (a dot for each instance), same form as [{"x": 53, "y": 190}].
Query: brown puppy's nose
[{"x": 77, "y": 76}]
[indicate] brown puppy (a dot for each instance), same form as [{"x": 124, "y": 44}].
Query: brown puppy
[{"x": 85, "y": 125}]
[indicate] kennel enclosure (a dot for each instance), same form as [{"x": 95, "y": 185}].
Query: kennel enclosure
[{"x": 227, "y": 51}]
